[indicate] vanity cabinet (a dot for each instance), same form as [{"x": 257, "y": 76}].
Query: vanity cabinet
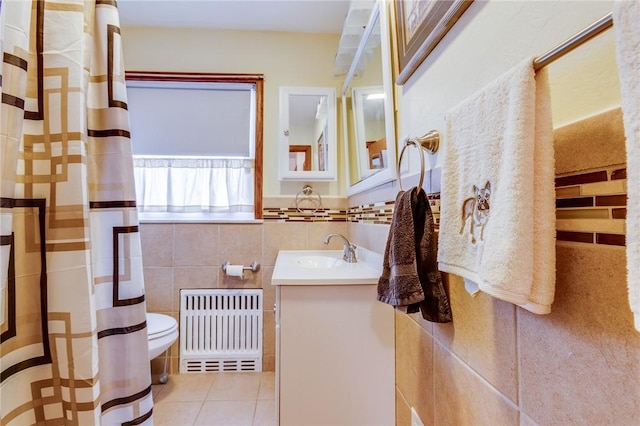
[{"x": 334, "y": 356}]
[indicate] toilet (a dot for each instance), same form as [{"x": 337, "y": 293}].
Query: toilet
[{"x": 162, "y": 331}]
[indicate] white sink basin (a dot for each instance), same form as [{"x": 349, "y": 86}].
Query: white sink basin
[
  {"x": 325, "y": 267},
  {"x": 316, "y": 262}
]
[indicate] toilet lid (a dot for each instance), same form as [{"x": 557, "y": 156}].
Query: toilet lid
[{"x": 160, "y": 324}]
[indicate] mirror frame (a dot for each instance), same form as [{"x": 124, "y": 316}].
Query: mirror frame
[
  {"x": 389, "y": 173},
  {"x": 330, "y": 174}
]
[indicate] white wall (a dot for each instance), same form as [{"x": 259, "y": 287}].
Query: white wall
[
  {"x": 493, "y": 36},
  {"x": 285, "y": 59}
]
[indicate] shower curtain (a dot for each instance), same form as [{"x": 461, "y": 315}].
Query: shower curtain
[{"x": 72, "y": 307}]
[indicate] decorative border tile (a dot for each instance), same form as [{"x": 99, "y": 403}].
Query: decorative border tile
[
  {"x": 294, "y": 215},
  {"x": 591, "y": 206},
  {"x": 577, "y": 179},
  {"x": 382, "y": 213},
  {"x": 377, "y": 213}
]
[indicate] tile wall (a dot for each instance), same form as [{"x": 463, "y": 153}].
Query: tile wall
[
  {"x": 501, "y": 365},
  {"x": 190, "y": 255},
  {"x": 496, "y": 363}
]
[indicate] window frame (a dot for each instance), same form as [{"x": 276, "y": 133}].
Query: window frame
[{"x": 256, "y": 79}]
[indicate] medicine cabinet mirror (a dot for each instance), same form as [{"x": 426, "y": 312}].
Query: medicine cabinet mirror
[
  {"x": 308, "y": 135},
  {"x": 367, "y": 109}
]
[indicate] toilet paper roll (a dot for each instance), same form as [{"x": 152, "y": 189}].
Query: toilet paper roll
[{"x": 235, "y": 270}]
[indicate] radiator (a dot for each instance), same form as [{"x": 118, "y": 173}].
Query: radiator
[{"x": 220, "y": 330}]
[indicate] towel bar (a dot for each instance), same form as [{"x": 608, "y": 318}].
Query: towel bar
[{"x": 430, "y": 142}]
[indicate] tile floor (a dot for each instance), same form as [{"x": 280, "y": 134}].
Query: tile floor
[{"x": 217, "y": 399}]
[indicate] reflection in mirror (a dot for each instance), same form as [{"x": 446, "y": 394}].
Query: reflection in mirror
[
  {"x": 367, "y": 108},
  {"x": 307, "y": 126},
  {"x": 299, "y": 158},
  {"x": 308, "y": 147},
  {"x": 370, "y": 134}
]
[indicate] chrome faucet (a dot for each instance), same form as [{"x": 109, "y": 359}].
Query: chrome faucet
[{"x": 349, "y": 251}]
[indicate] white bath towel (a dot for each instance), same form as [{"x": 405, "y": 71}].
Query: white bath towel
[
  {"x": 497, "y": 220},
  {"x": 626, "y": 24}
]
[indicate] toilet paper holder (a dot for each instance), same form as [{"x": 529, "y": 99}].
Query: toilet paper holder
[{"x": 254, "y": 267}]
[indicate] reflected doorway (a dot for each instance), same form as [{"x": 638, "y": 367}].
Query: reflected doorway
[{"x": 299, "y": 158}]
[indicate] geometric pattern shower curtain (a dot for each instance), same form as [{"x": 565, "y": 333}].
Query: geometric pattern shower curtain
[{"x": 72, "y": 307}]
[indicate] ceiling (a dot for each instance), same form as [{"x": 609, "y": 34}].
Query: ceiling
[{"x": 311, "y": 16}]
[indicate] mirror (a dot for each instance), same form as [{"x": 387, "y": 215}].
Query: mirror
[
  {"x": 367, "y": 109},
  {"x": 370, "y": 132},
  {"x": 308, "y": 147}
]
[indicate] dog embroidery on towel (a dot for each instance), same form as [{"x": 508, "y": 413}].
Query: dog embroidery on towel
[{"x": 476, "y": 208}]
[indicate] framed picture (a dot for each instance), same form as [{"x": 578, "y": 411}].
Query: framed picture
[{"x": 420, "y": 25}]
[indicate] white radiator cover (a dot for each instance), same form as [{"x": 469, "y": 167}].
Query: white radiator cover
[{"x": 220, "y": 330}]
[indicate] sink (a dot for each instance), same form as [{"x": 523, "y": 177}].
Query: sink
[
  {"x": 325, "y": 267},
  {"x": 314, "y": 262}
]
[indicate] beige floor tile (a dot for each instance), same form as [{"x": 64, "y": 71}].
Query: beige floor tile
[
  {"x": 156, "y": 390},
  {"x": 235, "y": 387},
  {"x": 265, "y": 413},
  {"x": 187, "y": 387},
  {"x": 227, "y": 413},
  {"x": 267, "y": 386},
  {"x": 175, "y": 413},
  {"x": 232, "y": 399}
]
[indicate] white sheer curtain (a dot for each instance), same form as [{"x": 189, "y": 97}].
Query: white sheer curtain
[{"x": 186, "y": 185}]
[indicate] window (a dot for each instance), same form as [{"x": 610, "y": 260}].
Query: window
[{"x": 197, "y": 143}]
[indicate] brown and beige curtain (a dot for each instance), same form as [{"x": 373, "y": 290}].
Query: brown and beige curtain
[{"x": 72, "y": 306}]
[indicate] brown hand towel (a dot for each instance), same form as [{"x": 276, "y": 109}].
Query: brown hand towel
[
  {"x": 409, "y": 272},
  {"x": 399, "y": 284},
  {"x": 435, "y": 306}
]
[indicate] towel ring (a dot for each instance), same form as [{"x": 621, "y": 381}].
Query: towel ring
[
  {"x": 307, "y": 191},
  {"x": 430, "y": 142}
]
